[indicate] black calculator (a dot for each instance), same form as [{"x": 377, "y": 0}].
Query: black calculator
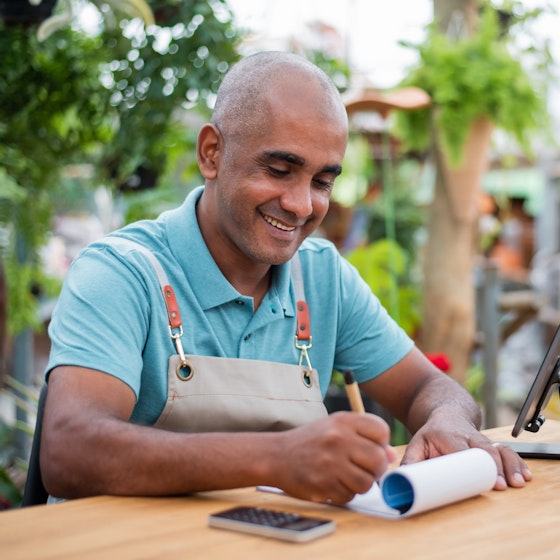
[{"x": 272, "y": 523}]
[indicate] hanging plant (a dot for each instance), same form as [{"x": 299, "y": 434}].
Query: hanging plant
[
  {"x": 114, "y": 101},
  {"x": 64, "y": 17},
  {"x": 468, "y": 78},
  {"x": 25, "y": 12}
]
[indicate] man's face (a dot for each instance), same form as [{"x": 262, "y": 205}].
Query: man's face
[{"x": 273, "y": 186}]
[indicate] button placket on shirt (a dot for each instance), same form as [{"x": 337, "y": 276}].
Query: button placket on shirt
[{"x": 269, "y": 312}]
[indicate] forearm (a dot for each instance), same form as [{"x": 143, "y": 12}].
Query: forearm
[
  {"x": 116, "y": 457},
  {"x": 332, "y": 458},
  {"x": 89, "y": 447},
  {"x": 415, "y": 392},
  {"x": 440, "y": 397}
]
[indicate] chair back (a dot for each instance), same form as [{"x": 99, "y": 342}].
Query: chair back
[{"x": 34, "y": 492}]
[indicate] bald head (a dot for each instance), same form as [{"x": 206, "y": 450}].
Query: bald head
[{"x": 246, "y": 91}]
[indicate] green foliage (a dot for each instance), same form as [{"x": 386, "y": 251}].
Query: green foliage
[
  {"x": 27, "y": 281},
  {"x": 117, "y": 100},
  {"x": 53, "y": 112},
  {"x": 474, "y": 382},
  {"x": 12, "y": 467},
  {"x": 470, "y": 77},
  {"x": 154, "y": 73},
  {"x": 358, "y": 169},
  {"x": 382, "y": 265},
  {"x": 10, "y": 493},
  {"x": 338, "y": 71},
  {"x": 409, "y": 219}
]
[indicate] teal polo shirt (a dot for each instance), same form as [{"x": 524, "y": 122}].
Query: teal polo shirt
[{"x": 111, "y": 317}]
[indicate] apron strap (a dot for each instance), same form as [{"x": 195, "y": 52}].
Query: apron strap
[
  {"x": 303, "y": 339},
  {"x": 173, "y": 314},
  {"x": 303, "y": 330}
]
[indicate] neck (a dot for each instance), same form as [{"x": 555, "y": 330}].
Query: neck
[
  {"x": 248, "y": 277},
  {"x": 254, "y": 286}
]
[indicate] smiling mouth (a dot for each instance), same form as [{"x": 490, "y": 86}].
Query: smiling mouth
[{"x": 275, "y": 223}]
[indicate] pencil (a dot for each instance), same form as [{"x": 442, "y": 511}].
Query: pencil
[{"x": 353, "y": 392}]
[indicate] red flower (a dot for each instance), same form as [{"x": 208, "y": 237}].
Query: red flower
[{"x": 440, "y": 360}]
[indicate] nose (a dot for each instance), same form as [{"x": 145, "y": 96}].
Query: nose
[{"x": 297, "y": 199}]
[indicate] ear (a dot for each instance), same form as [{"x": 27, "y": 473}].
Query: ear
[{"x": 208, "y": 149}]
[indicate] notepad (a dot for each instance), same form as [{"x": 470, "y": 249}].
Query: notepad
[{"x": 419, "y": 487}]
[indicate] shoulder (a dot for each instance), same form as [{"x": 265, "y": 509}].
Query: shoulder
[
  {"x": 320, "y": 255},
  {"x": 156, "y": 235},
  {"x": 330, "y": 274},
  {"x": 316, "y": 250}
]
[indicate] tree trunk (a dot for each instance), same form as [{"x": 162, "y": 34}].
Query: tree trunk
[{"x": 449, "y": 292}]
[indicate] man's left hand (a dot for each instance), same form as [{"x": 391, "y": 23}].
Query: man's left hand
[{"x": 438, "y": 438}]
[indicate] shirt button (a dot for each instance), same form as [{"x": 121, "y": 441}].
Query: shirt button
[{"x": 239, "y": 302}]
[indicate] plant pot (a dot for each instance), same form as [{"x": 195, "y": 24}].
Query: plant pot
[
  {"x": 21, "y": 12},
  {"x": 464, "y": 181}
]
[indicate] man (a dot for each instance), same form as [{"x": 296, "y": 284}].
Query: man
[{"x": 120, "y": 419}]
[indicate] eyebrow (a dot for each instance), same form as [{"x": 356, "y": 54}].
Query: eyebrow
[{"x": 292, "y": 158}]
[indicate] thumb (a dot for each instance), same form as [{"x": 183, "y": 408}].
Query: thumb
[{"x": 414, "y": 453}]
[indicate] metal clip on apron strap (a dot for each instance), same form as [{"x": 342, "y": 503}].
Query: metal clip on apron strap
[
  {"x": 303, "y": 338},
  {"x": 173, "y": 314}
]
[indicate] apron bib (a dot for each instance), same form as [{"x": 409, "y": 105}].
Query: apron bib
[{"x": 211, "y": 394}]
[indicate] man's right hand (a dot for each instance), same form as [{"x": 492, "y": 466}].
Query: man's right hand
[
  {"x": 89, "y": 447},
  {"x": 334, "y": 458}
]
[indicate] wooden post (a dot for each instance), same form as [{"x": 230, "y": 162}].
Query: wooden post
[{"x": 490, "y": 296}]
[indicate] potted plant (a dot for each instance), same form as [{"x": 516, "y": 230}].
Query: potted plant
[
  {"x": 64, "y": 16},
  {"x": 470, "y": 78},
  {"x": 477, "y": 83},
  {"x": 25, "y": 12},
  {"x": 64, "y": 103}
]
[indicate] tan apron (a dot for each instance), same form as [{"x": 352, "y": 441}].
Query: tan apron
[{"x": 210, "y": 394}]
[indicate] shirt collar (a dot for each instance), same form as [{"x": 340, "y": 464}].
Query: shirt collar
[{"x": 209, "y": 285}]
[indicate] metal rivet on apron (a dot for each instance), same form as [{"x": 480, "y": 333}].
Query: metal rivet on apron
[
  {"x": 184, "y": 371},
  {"x": 306, "y": 377}
]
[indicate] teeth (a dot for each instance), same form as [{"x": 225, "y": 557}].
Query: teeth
[{"x": 278, "y": 224}]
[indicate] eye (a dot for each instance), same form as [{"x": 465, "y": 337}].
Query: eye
[
  {"x": 326, "y": 185},
  {"x": 277, "y": 172}
]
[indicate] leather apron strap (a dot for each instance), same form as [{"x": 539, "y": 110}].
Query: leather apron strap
[{"x": 208, "y": 394}]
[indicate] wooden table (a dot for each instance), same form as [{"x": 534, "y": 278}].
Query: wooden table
[{"x": 513, "y": 524}]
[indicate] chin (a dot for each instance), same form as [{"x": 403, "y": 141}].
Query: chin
[{"x": 275, "y": 257}]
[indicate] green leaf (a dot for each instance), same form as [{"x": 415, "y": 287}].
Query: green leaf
[{"x": 467, "y": 78}]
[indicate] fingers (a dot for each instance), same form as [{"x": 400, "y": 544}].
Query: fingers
[
  {"x": 368, "y": 453},
  {"x": 512, "y": 469},
  {"x": 341, "y": 456},
  {"x": 426, "y": 444},
  {"x": 415, "y": 452},
  {"x": 365, "y": 466},
  {"x": 368, "y": 426},
  {"x": 354, "y": 481}
]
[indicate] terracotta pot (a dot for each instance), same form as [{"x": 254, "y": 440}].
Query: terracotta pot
[{"x": 464, "y": 181}]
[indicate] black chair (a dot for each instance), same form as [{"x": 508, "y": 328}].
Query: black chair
[{"x": 34, "y": 492}]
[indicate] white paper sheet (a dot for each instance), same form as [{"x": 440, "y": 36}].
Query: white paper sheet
[
  {"x": 411, "y": 489},
  {"x": 418, "y": 487}
]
